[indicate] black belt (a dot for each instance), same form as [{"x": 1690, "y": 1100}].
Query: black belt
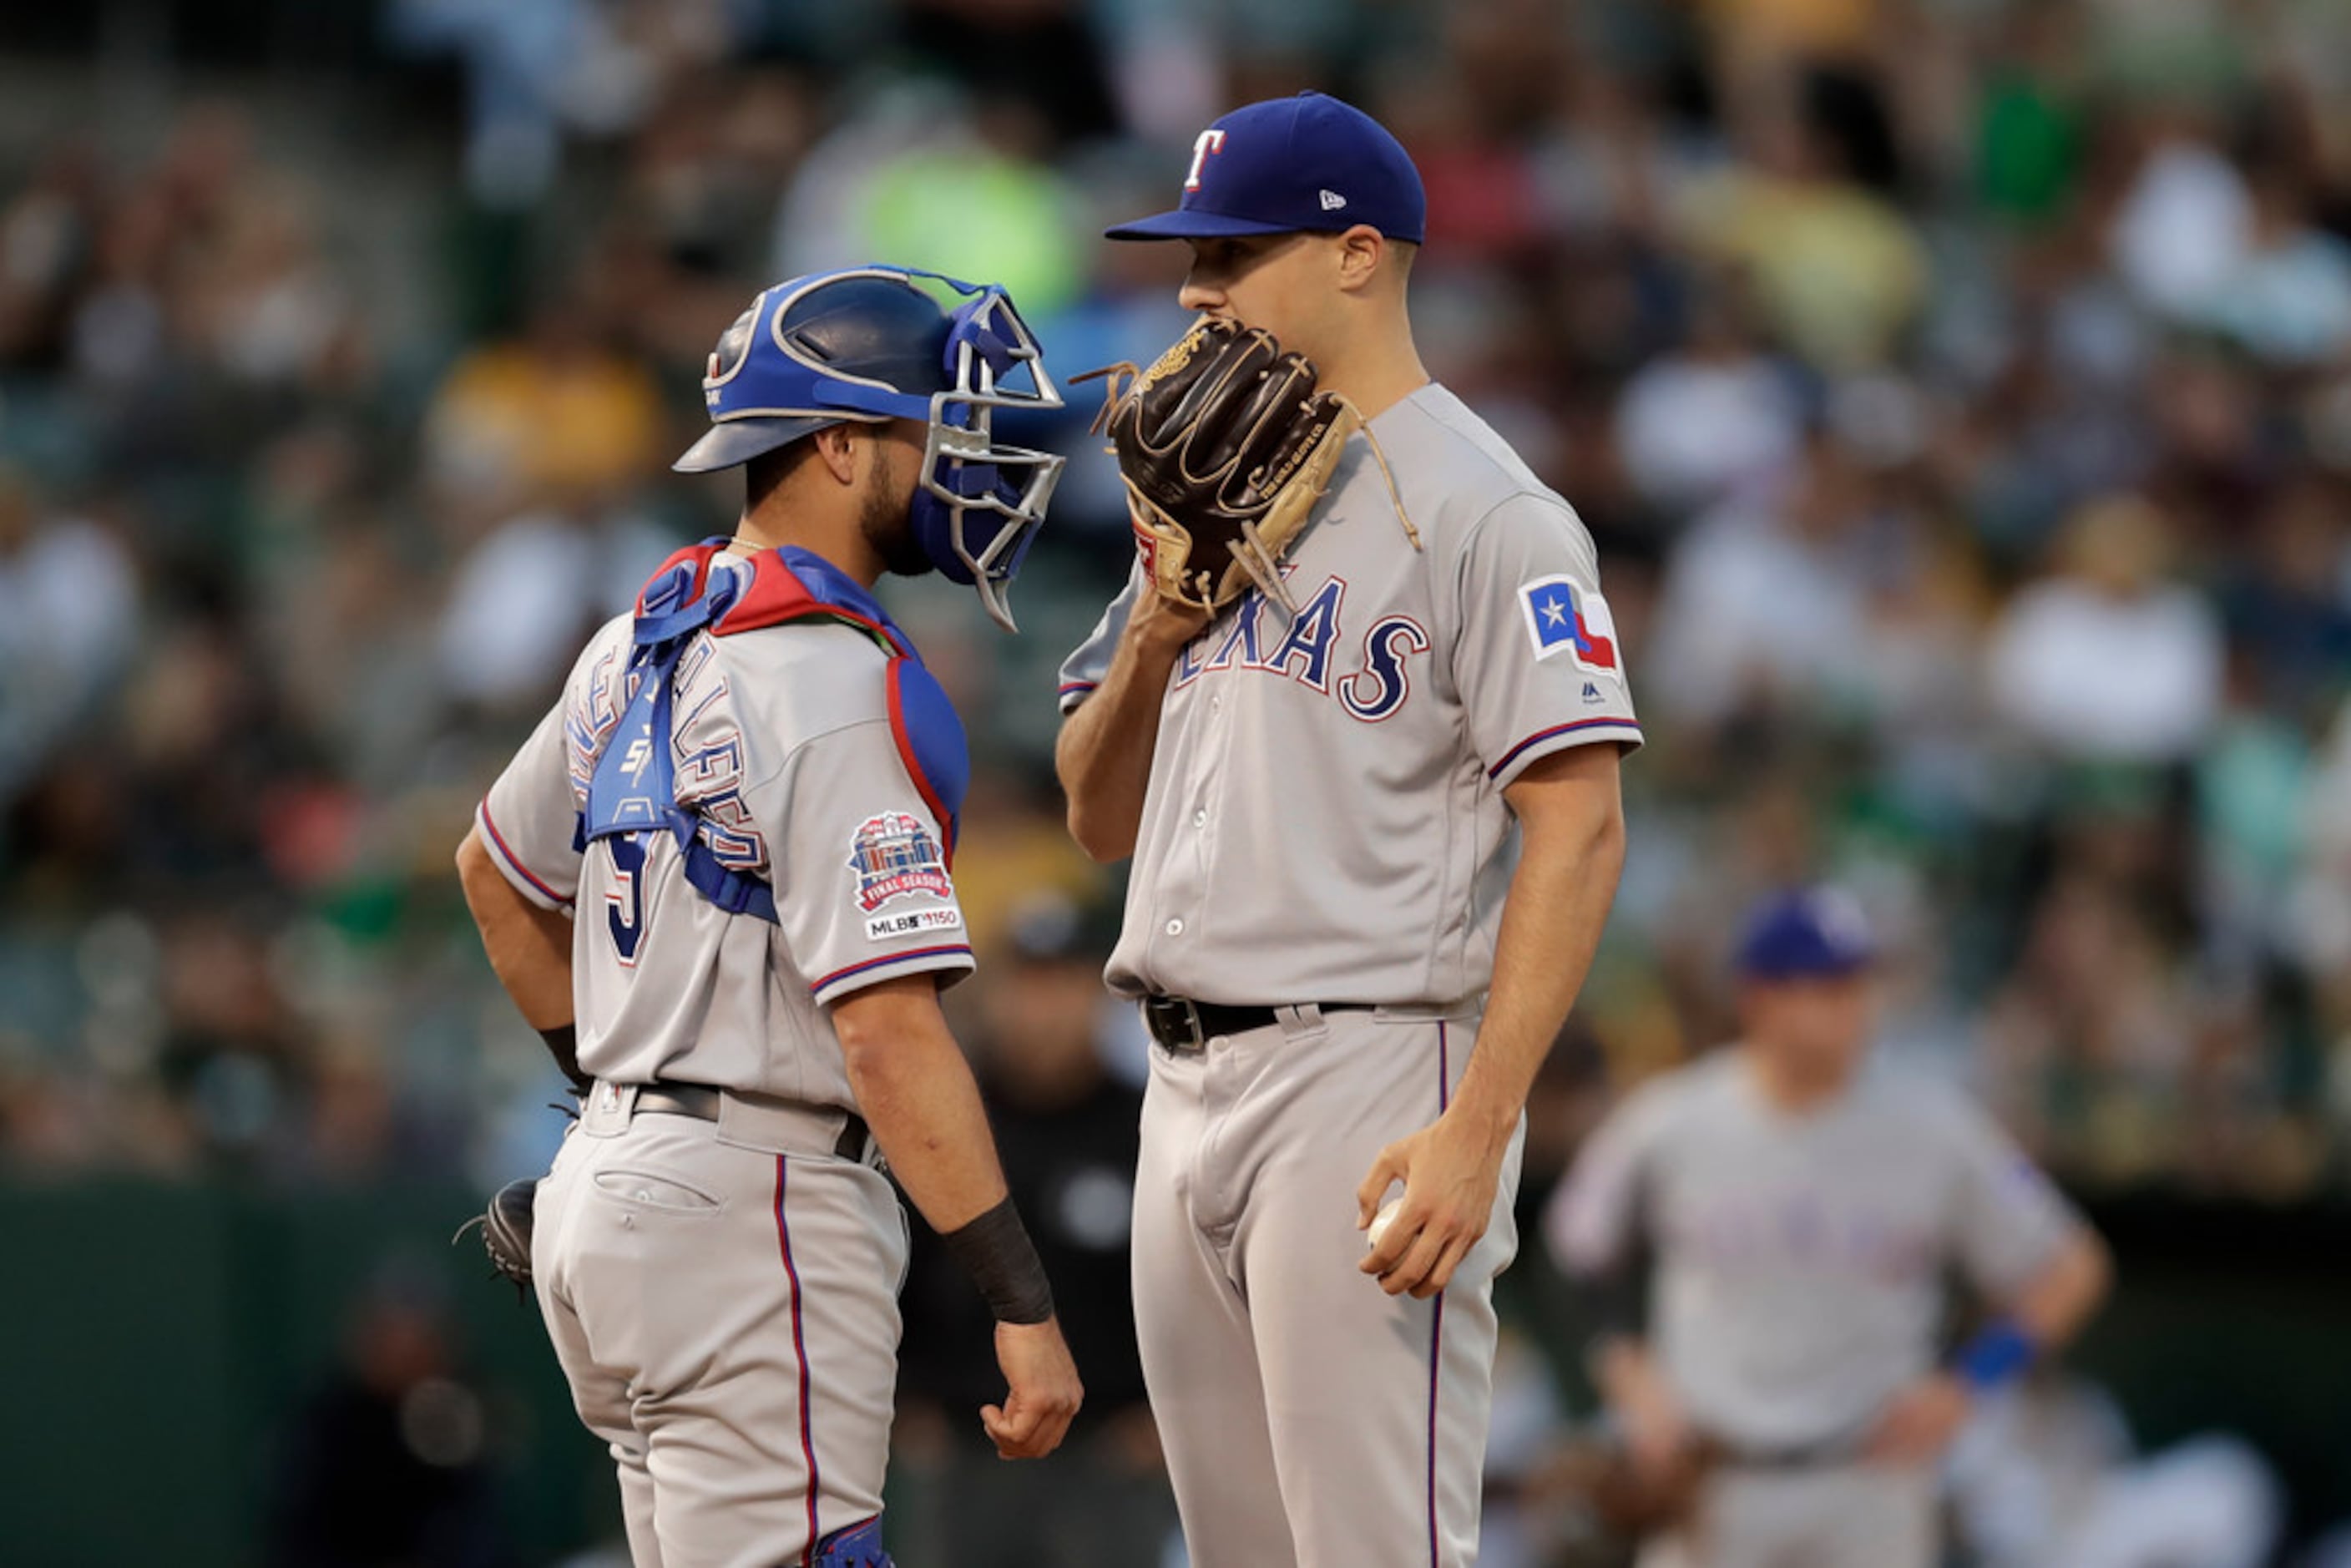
[
  {"x": 701, "y": 1101},
  {"x": 1179, "y": 1024}
]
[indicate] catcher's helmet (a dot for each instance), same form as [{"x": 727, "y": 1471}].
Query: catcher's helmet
[{"x": 869, "y": 344}]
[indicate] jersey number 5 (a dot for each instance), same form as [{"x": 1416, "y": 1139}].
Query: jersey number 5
[{"x": 624, "y": 904}]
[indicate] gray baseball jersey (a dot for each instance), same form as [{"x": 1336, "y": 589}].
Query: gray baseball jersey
[
  {"x": 1324, "y": 819},
  {"x": 782, "y": 739},
  {"x": 722, "y": 1295},
  {"x": 1325, "y": 823},
  {"x": 1799, "y": 1261}
]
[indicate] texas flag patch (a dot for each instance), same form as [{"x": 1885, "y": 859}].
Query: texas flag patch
[{"x": 1565, "y": 617}]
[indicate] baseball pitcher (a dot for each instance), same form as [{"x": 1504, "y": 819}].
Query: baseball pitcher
[
  {"x": 720, "y": 878},
  {"x": 1794, "y": 1211},
  {"x": 1356, "y": 717}
]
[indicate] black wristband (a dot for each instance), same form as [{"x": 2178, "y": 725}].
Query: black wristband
[
  {"x": 563, "y": 1045},
  {"x": 996, "y": 1251}
]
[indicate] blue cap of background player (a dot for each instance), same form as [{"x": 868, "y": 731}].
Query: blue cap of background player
[
  {"x": 1806, "y": 934},
  {"x": 1308, "y": 162}
]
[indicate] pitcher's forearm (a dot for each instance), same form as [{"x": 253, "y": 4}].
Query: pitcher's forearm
[
  {"x": 1103, "y": 758},
  {"x": 1574, "y": 824},
  {"x": 1105, "y": 751}
]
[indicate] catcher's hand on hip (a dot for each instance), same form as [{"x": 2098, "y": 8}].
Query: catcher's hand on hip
[
  {"x": 1450, "y": 1170},
  {"x": 1225, "y": 445}
]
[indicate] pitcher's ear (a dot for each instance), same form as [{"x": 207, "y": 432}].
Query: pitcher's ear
[{"x": 1364, "y": 253}]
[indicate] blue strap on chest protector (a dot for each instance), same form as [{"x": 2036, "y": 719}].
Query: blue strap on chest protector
[{"x": 633, "y": 791}]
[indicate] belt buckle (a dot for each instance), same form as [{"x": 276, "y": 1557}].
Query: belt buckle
[{"x": 1172, "y": 1009}]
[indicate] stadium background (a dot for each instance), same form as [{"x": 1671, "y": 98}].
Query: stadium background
[{"x": 1959, "y": 391}]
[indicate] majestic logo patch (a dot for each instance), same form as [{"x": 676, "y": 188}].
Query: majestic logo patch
[
  {"x": 895, "y": 856},
  {"x": 1590, "y": 693},
  {"x": 1563, "y": 617}
]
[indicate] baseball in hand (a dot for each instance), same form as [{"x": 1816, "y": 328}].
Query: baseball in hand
[{"x": 1380, "y": 1223}]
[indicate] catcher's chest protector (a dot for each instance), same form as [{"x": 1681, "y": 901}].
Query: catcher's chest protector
[{"x": 633, "y": 790}]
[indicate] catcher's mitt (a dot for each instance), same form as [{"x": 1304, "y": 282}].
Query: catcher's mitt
[
  {"x": 506, "y": 1230},
  {"x": 1224, "y": 445}
]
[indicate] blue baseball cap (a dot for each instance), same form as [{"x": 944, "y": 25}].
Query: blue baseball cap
[
  {"x": 1804, "y": 934},
  {"x": 1291, "y": 164}
]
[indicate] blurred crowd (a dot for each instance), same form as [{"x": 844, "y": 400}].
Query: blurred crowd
[{"x": 1959, "y": 392}]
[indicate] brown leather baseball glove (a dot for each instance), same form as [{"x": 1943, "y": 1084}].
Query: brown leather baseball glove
[{"x": 1224, "y": 445}]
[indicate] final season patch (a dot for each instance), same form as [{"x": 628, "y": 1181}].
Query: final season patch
[
  {"x": 1565, "y": 617},
  {"x": 895, "y": 856}
]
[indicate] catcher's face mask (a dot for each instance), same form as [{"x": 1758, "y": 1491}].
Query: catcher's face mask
[
  {"x": 869, "y": 343},
  {"x": 980, "y": 501}
]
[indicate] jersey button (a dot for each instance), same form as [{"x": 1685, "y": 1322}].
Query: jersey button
[
  {"x": 1175, "y": 928},
  {"x": 1200, "y": 817}
]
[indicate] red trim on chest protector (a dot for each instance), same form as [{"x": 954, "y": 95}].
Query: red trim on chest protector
[
  {"x": 700, "y": 556},
  {"x": 776, "y": 595}
]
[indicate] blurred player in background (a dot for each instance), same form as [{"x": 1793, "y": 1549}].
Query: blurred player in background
[{"x": 1793, "y": 1208}]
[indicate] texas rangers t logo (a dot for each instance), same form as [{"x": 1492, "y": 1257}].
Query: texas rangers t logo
[
  {"x": 1562, "y": 616},
  {"x": 1210, "y": 141}
]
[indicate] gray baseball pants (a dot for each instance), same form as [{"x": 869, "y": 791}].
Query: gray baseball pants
[
  {"x": 1308, "y": 1417},
  {"x": 1831, "y": 1516},
  {"x": 723, "y": 1299}
]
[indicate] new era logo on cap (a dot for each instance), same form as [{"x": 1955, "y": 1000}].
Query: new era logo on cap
[{"x": 1333, "y": 201}]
